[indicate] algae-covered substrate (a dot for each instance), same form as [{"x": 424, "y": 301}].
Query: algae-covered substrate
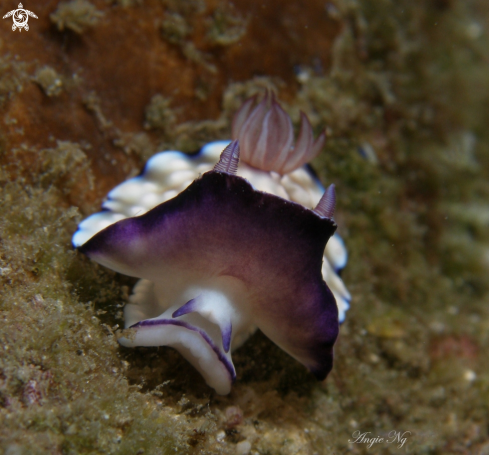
[{"x": 93, "y": 89}]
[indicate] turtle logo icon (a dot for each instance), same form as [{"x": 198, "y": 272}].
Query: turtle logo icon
[{"x": 20, "y": 17}]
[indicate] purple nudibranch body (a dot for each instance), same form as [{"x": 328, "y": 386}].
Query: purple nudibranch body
[{"x": 220, "y": 257}]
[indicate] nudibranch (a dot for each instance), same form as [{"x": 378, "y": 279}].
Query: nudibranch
[{"x": 222, "y": 249}]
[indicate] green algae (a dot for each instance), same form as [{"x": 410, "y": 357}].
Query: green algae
[
  {"x": 159, "y": 115},
  {"x": 49, "y": 80},
  {"x": 226, "y": 26},
  {"x": 12, "y": 76},
  {"x": 54, "y": 344},
  {"x": 76, "y": 15},
  {"x": 412, "y": 353}
]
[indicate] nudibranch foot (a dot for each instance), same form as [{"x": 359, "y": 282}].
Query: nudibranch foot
[{"x": 194, "y": 341}]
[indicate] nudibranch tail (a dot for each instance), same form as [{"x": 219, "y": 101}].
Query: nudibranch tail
[{"x": 266, "y": 135}]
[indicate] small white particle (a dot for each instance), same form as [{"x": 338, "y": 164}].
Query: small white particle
[
  {"x": 243, "y": 448},
  {"x": 374, "y": 358},
  {"x": 220, "y": 436},
  {"x": 474, "y": 31},
  {"x": 4, "y": 271}
]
